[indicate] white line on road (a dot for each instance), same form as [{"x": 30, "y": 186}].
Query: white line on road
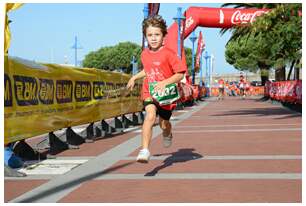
[
  {"x": 236, "y": 125},
  {"x": 287, "y": 176},
  {"x": 239, "y": 130},
  {"x": 204, "y": 116},
  {"x": 229, "y": 157}
]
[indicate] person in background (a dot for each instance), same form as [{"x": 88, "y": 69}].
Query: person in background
[
  {"x": 227, "y": 88},
  {"x": 242, "y": 86},
  {"x": 233, "y": 89},
  {"x": 247, "y": 88},
  {"x": 221, "y": 89}
]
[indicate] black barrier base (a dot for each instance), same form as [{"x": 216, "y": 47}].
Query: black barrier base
[
  {"x": 107, "y": 129},
  {"x": 26, "y": 152},
  {"x": 98, "y": 131},
  {"x": 90, "y": 133},
  {"x": 9, "y": 172},
  {"x": 73, "y": 138},
  {"x": 117, "y": 125},
  {"x": 136, "y": 120},
  {"x": 126, "y": 122},
  {"x": 58, "y": 145}
]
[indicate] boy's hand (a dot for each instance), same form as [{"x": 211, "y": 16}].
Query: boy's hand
[
  {"x": 130, "y": 84},
  {"x": 160, "y": 86}
]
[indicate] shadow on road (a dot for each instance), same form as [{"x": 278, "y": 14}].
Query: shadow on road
[
  {"x": 182, "y": 155},
  {"x": 262, "y": 112},
  {"x": 73, "y": 183}
]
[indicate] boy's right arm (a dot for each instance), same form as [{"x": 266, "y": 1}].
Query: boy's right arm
[{"x": 131, "y": 82}]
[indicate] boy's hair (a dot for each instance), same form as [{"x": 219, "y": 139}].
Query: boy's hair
[{"x": 155, "y": 21}]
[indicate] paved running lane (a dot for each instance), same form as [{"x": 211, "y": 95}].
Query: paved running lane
[{"x": 224, "y": 151}]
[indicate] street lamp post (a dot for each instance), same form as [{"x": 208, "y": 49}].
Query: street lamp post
[
  {"x": 207, "y": 68},
  {"x": 76, "y": 47},
  {"x": 212, "y": 59},
  {"x": 193, "y": 38},
  {"x": 134, "y": 66},
  {"x": 178, "y": 19}
]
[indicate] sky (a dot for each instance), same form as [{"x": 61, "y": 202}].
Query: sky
[{"x": 46, "y": 32}]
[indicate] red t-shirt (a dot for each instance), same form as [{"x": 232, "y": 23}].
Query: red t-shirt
[
  {"x": 241, "y": 83},
  {"x": 221, "y": 83},
  {"x": 159, "y": 65}
]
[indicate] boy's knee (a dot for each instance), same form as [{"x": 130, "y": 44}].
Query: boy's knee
[{"x": 150, "y": 117}]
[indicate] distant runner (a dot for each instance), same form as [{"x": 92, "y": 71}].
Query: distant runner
[
  {"x": 221, "y": 89},
  {"x": 242, "y": 86}
]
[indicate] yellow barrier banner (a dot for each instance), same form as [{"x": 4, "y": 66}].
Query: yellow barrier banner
[{"x": 40, "y": 98}]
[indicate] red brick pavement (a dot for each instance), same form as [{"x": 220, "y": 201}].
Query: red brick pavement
[
  {"x": 193, "y": 191},
  {"x": 15, "y": 188},
  {"x": 212, "y": 131}
]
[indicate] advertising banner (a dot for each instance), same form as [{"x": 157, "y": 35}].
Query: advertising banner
[
  {"x": 286, "y": 91},
  {"x": 200, "y": 49},
  {"x": 40, "y": 98}
]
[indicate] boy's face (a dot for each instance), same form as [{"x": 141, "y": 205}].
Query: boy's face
[{"x": 154, "y": 37}]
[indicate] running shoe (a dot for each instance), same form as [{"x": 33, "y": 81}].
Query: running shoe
[{"x": 143, "y": 156}]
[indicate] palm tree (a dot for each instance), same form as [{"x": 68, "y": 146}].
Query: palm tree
[{"x": 264, "y": 25}]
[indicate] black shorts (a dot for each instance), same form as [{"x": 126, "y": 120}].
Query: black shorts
[
  {"x": 163, "y": 113},
  {"x": 221, "y": 90}
]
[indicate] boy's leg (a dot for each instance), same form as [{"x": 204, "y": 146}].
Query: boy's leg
[
  {"x": 165, "y": 125},
  {"x": 148, "y": 125},
  {"x": 144, "y": 154}
]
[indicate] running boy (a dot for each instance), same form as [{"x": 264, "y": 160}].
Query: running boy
[{"x": 163, "y": 67}]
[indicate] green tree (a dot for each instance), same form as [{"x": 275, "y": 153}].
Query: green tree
[
  {"x": 114, "y": 57},
  {"x": 273, "y": 40},
  {"x": 282, "y": 27},
  {"x": 188, "y": 55}
]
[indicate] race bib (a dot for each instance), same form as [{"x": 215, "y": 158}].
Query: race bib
[{"x": 167, "y": 96}]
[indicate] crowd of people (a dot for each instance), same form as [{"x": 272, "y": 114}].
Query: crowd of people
[{"x": 241, "y": 88}]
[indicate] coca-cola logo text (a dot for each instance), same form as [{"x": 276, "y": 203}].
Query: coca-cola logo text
[{"x": 241, "y": 18}]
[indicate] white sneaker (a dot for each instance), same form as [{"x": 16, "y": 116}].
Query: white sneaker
[
  {"x": 143, "y": 156},
  {"x": 167, "y": 141}
]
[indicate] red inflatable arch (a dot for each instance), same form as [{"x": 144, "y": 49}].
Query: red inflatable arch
[
  {"x": 205, "y": 17},
  {"x": 209, "y": 17}
]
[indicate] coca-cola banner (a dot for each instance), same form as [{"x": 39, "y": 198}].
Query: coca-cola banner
[
  {"x": 219, "y": 17},
  {"x": 285, "y": 91}
]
